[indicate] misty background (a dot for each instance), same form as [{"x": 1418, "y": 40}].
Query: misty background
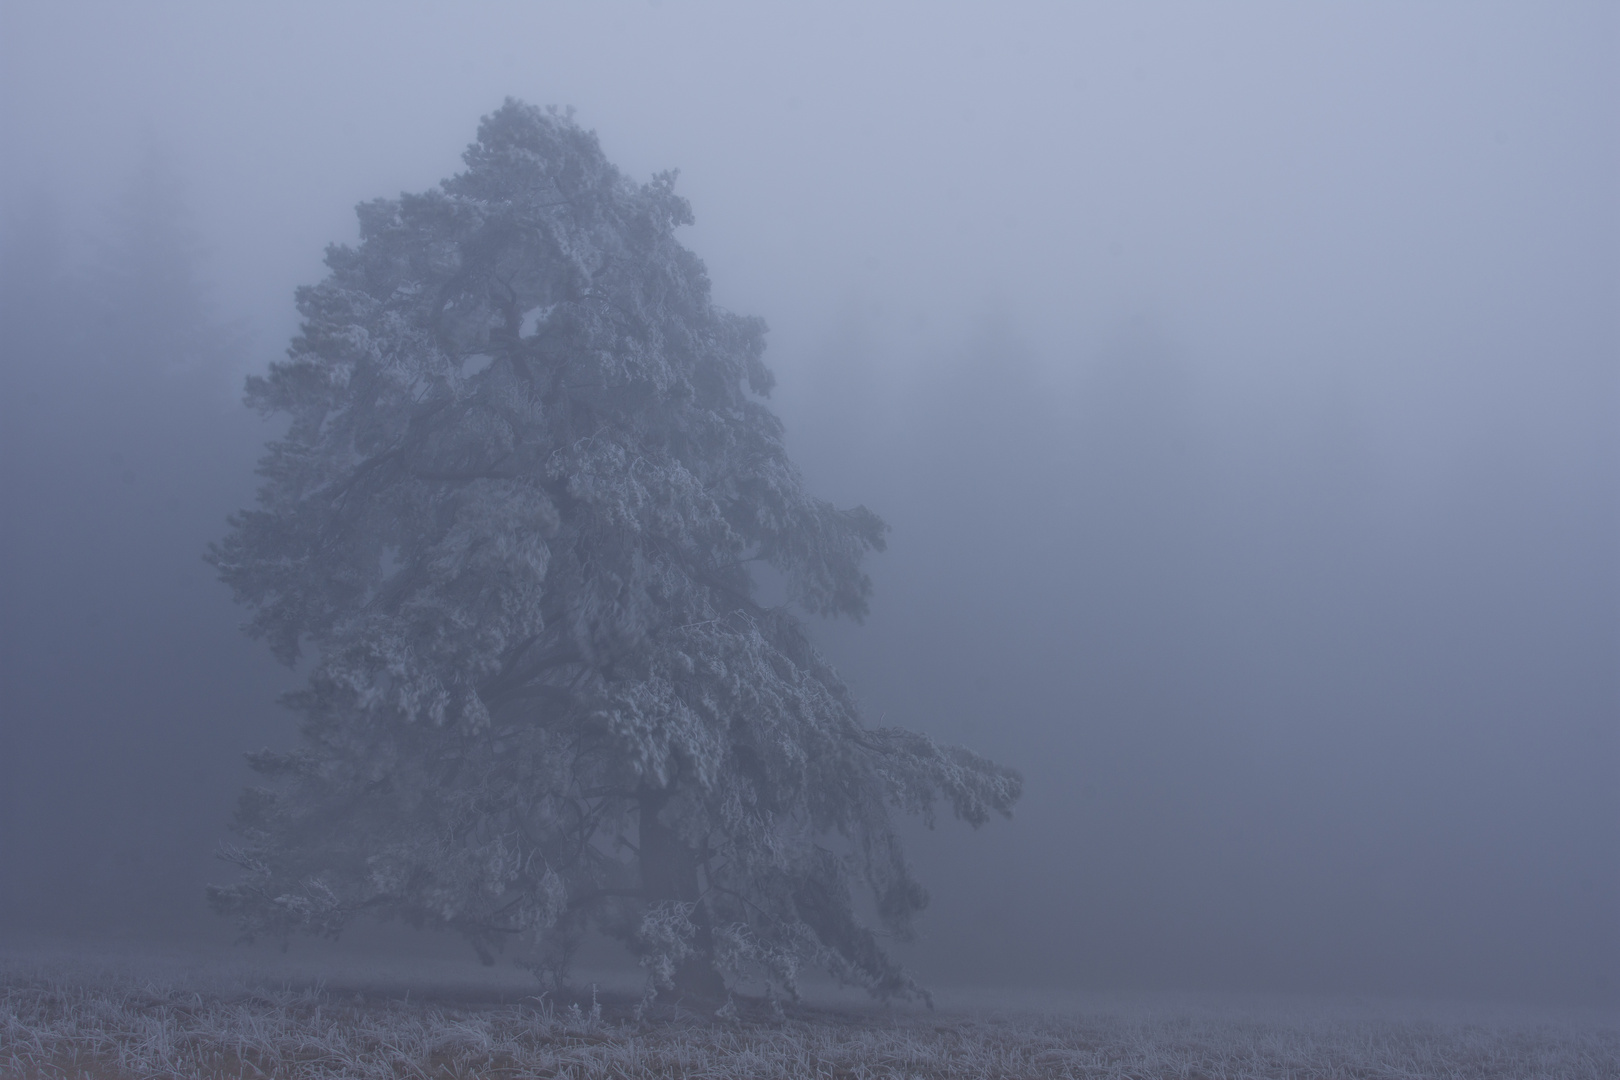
[{"x": 1239, "y": 382}]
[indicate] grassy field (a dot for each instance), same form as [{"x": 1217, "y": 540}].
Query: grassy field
[{"x": 89, "y": 1015}]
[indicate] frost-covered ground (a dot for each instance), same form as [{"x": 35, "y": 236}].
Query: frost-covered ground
[{"x": 92, "y": 1015}]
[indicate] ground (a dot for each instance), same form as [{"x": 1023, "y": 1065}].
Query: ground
[{"x": 91, "y": 1013}]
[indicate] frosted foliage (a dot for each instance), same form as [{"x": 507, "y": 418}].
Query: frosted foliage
[{"x": 526, "y": 475}]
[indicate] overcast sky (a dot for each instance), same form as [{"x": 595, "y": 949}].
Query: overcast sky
[{"x": 1239, "y": 381}]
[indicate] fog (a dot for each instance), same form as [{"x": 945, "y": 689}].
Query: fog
[{"x": 1239, "y": 382}]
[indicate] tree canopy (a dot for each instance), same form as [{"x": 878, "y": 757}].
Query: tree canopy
[{"x": 518, "y": 519}]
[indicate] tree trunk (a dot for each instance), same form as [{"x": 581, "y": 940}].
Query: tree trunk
[{"x": 669, "y": 872}]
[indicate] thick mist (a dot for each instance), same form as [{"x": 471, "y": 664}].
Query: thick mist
[{"x": 1239, "y": 383}]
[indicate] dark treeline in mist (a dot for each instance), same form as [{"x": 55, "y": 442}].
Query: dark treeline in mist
[
  {"x": 1292, "y": 711},
  {"x": 123, "y": 447}
]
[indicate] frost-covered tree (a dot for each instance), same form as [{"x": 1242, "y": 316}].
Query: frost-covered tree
[{"x": 516, "y": 517}]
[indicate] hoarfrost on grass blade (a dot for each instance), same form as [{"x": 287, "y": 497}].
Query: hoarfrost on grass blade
[{"x": 61, "y": 1018}]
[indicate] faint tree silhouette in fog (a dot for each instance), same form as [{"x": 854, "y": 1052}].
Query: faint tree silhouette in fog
[
  {"x": 31, "y": 272},
  {"x": 116, "y": 370},
  {"x": 148, "y": 307},
  {"x": 517, "y": 517}
]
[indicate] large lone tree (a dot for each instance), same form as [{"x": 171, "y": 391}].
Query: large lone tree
[{"x": 516, "y": 517}]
